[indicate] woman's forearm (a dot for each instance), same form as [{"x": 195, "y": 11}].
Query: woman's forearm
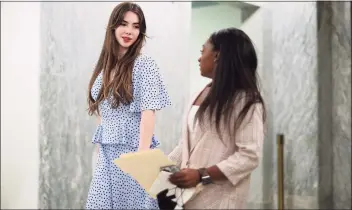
[
  {"x": 146, "y": 129},
  {"x": 215, "y": 173},
  {"x": 99, "y": 122}
]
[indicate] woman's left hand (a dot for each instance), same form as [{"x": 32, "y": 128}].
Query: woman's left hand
[{"x": 186, "y": 178}]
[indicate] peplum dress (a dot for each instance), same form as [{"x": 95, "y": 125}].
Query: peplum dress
[{"x": 118, "y": 133}]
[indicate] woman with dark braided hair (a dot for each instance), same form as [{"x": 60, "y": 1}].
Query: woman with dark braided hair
[{"x": 223, "y": 135}]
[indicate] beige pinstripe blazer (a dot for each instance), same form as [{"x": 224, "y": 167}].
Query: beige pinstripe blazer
[{"x": 236, "y": 156}]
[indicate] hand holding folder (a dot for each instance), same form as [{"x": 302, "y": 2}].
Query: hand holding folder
[{"x": 144, "y": 166}]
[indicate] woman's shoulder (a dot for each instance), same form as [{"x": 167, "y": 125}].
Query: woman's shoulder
[
  {"x": 144, "y": 60},
  {"x": 145, "y": 65}
]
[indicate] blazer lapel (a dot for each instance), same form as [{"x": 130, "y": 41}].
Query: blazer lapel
[
  {"x": 187, "y": 148},
  {"x": 185, "y": 128}
]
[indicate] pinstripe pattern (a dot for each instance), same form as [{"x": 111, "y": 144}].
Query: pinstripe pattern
[{"x": 235, "y": 156}]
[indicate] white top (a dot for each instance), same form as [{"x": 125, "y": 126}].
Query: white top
[{"x": 191, "y": 124}]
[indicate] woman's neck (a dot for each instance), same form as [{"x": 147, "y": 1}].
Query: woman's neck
[
  {"x": 122, "y": 52},
  {"x": 120, "y": 56}
]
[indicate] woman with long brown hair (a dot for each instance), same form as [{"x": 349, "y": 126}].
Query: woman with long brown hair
[
  {"x": 124, "y": 91},
  {"x": 224, "y": 128}
]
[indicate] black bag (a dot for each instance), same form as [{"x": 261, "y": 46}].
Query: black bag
[{"x": 165, "y": 202}]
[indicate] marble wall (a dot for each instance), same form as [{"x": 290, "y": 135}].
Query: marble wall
[
  {"x": 70, "y": 46},
  {"x": 306, "y": 84},
  {"x": 71, "y": 39},
  {"x": 295, "y": 104},
  {"x": 287, "y": 67}
]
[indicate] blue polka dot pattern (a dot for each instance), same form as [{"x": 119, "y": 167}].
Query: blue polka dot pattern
[{"x": 118, "y": 133}]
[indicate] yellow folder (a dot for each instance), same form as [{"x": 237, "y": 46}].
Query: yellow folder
[{"x": 143, "y": 166}]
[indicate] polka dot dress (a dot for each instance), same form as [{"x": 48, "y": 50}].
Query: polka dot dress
[{"x": 118, "y": 133}]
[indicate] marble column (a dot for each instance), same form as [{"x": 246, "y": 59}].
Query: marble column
[
  {"x": 334, "y": 36},
  {"x": 325, "y": 105},
  {"x": 341, "y": 103}
]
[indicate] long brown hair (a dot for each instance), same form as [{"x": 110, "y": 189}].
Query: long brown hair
[
  {"x": 235, "y": 80},
  {"x": 120, "y": 84}
]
